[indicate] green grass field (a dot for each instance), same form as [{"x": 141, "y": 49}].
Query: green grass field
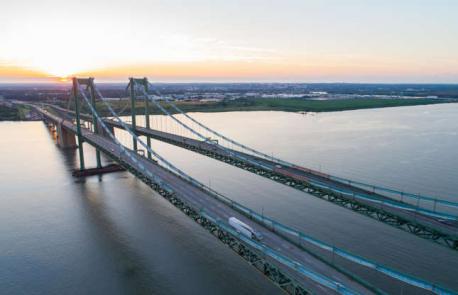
[
  {"x": 14, "y": 113},
  {"x": 9, "y": 114},
  {"x": 287, "y": 105}
]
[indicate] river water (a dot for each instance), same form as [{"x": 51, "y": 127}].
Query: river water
[{"x": 112, "y": 234}]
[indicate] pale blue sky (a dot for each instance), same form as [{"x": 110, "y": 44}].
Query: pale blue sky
[{"x": 354, "y": 40}]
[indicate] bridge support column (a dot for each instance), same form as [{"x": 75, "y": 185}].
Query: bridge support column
[
  {"x": 94, "y": 120},
  {"x": 147, "y": 124},
  {"x": 78, "y": 124},
  {"x": 132, "y": 111},
  {"x": 65, "y": 138}
]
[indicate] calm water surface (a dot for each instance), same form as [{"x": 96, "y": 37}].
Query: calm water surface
[{"x": 114, "y": 235}]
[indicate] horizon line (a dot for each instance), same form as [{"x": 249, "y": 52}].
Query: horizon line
[{"x": 234, "y": 82}]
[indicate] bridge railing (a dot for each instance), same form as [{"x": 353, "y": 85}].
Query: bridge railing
[
  {"x": 387, "y": 203},
  {"x": 268, "y": 222},
  {"x": 398, "y": 194},
  {"x": 320, "y": 279},
  {"x": 410, "y": 280}
]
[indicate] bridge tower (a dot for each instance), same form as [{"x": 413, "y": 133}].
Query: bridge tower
[
  {"x": 89, "y": 82},
  {"x": 95, "y": 124},
  {"x": 143, "y": 83}
]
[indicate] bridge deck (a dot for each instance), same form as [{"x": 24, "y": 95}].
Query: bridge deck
[
  {"x": 199, "y": 199},
  {"x": 426, "y": 226}
]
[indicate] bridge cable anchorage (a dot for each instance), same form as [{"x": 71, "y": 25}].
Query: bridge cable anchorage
[
  {"x": 302, "y": 269},
  {"x": 262, "y": 219},
  {"x": 390, "y": 203},
  {"x": 291, "y": 165}
]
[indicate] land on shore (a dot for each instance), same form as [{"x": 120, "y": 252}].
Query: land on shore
[
  {"x": 229, "y": 97},
  {"x": 123, "y": 107},
  {"x": 262, "y": 104},
  {"x": 14, "y": 113}
]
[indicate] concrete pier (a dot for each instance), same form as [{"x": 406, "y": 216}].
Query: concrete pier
[{"x": 65, "y": 138}]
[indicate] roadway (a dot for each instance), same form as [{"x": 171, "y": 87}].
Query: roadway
[
  {"x": 297, "y": 173},
  {"x": 300, "y": 175},
  {"x": 199, "y": 199}
]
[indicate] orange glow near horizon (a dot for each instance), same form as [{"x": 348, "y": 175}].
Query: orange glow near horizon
[
  {"x": 297, "y": 69},
  {"x": 294, "y": 69}
]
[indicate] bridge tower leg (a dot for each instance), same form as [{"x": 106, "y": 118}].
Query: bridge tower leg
[
  {"x": 132, "y": 107},
  {"x": 94, "y": 119},
  {"x": 148, "y": 139},
  {"x": 78, "y": 123}
]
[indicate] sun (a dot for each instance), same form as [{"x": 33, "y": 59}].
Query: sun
[
  {"x": 59, "y": 67},
  {"x": 60, "y": 70}
]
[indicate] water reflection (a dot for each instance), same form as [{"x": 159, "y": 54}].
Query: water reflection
[{"x": 59, "y": 235}]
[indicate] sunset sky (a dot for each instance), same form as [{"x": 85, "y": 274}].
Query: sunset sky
[{"x": 211, "y": 40}]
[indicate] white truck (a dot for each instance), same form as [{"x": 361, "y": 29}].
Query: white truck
[{"x": 244, "y": 229}]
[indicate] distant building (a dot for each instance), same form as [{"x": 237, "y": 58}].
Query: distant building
[
  {"x": 283, "y": 95},
  {"x": 211, "y": 99},
  {"x": 318, "y": 93}
]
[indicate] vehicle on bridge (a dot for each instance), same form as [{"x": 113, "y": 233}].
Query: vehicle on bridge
[{"x": 244, "y": 229}]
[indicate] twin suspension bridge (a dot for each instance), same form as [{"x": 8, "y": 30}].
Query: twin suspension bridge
[{"x": 285, "y": 255}]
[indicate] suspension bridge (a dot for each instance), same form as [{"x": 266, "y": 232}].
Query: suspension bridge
[{"x": 284, "y": 254}]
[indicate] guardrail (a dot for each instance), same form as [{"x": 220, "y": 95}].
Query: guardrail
[
  {"x": 318, "y": 278},
  {"x": 388, "y": 203},
  {"x": 396, "y": 192},
  {"x": 275, "y": 226}
]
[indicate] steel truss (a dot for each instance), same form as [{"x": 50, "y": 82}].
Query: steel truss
[{"x": 252, "y": 256}]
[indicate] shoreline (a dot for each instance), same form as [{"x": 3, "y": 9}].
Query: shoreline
[
  {"x": 281, "y": 105},
  {"x": 16, "y": 114}
]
